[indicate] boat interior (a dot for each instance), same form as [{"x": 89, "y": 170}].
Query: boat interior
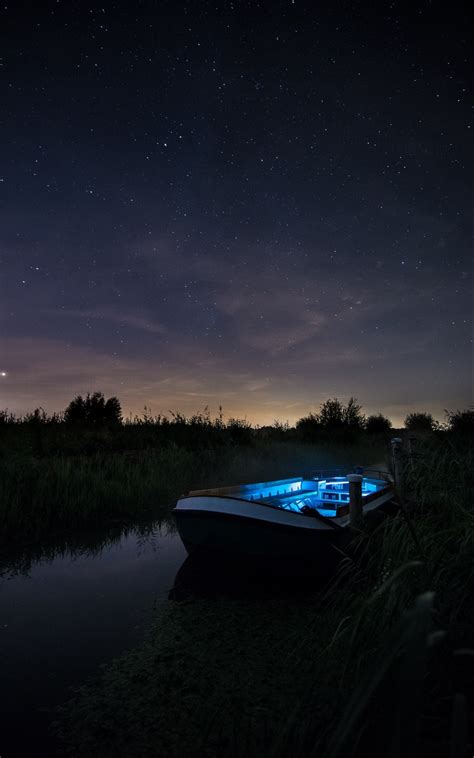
[{"x": 329, "y": 495}]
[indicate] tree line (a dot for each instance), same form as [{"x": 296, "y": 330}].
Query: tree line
[{"x": 334, "y": 418}]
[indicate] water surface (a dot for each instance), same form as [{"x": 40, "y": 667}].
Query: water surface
[{"x": 67, "y": 614}]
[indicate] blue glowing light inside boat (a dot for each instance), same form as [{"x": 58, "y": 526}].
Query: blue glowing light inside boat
[
  {"x": 323, "y": 495},
  {"x": 273, "y": 489},
  {"x": 327, "y": 496}
]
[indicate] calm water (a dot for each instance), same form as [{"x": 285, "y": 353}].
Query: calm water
[
  {"x": 63, "y": 616},
  {"x": 66, "y": 616}
]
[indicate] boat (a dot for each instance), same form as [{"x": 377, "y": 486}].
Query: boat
[{"x": 303, "y": 518}]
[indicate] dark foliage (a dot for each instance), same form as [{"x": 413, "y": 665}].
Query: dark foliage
[
  {"x": 240, "y": 431},
  {"x": 309, "y": 428},
  {"x": 353, "y": 417},
  {"x": 331, "y": 416},
  {"x": 462, "y": 423},
  {"x": 93, "y": 410},
  {"x": 420, "y": 422},
  {"x": 278, "y": 432},
  {"x": 378, "y": 424},
  {"x": 333, "y": 420}
]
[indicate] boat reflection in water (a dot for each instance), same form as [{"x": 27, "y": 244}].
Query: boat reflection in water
[{"x": 212, "y": 575}]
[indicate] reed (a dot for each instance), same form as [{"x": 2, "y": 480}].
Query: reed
[
  {"x": 413, "y": 618},
  {"x": 51, "y": 493},
  {"x": 37, "y": 496}
]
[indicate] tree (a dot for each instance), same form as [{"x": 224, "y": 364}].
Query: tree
[
  {"x": 75, "y": 413},
  {"x": 378, "y": 424},
  {"x": 462, "y": 423},
  {"x": 113, "y": 411},
  {"x": 94, "y": 410},
  {"x": 308, "y": 427},
  {"x": 331, "y": 415},
  {"x": 353, "y": 417},
  {"x": 334, "y": 416},
  {"x": 420, "y": 422}
]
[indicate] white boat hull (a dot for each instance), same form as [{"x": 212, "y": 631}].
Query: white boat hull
[{"x": 232, "y": 524}]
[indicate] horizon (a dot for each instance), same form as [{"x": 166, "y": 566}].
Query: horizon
[
  {"x": 199, "y": 207},
  {"x": 256, "y": 420}
]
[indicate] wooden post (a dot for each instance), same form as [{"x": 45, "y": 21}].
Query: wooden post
[
  {"x": 355, "y": 499},
  {"x": 412, "y": 445},
  {"x": 397, "y": 463}
]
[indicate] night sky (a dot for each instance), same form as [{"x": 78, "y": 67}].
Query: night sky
[{"x": 253, "y": 204}]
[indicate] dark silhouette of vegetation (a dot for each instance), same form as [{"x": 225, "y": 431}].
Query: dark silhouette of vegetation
[
  {"x": 378, "y": 424},
  {"x": 420, "y": 422},
  {"x": 93, "y": 410},
  {"x": 461, "y": 423},
  {"x": 333, "y": 420},
  {"x": 353, "y": 417},
  {"x": 278, "y": 432},
  {"x": 92, "y": 424},
  {"x": 309, "y": 428},
  {"x": 331, "y": 415}
]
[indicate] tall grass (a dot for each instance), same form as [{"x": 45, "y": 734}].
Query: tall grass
[
  {"x": 414, "y": 616},
  {"x": 37, "y": 495},
  {"x": 56, "y": 492},
  {"x": 377, "y": 664}
]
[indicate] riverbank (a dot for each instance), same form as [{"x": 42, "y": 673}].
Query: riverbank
[{"x": 379, "y": 663}]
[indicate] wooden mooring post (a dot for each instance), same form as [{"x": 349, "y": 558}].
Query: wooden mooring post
[
  {"x": 355, "y": 499},
  {"x": 397, "y": 463}
]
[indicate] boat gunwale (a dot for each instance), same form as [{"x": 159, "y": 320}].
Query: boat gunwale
[
  {"x": 330, "y": 521},
  {"x": 316, "y": 515},
  {"x": 218, "y": 493},
  {"x": 227, "y": 491},
  {"x": 242, "y": 487}
]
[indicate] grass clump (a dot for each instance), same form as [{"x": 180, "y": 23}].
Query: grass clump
[{"x": 201, "y": 685}]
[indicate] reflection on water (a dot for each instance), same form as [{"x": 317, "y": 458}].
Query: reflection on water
[
  {"x": 214, "y": 576},
  {"x": 21, "y": 560},
  {"x": 70, "y": 607},
  {"x": 67, "y": 609}
]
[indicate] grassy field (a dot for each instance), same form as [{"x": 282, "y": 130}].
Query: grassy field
[{"x": 380, "y": 663}]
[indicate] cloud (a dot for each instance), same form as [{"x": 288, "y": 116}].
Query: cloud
[
  {"x": 49, "y": 373},
  {"x": 115, "y": 315},
  {"x": 263, "y": 334}
]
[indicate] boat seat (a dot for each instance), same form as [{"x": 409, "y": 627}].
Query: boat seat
[{"x": 288, "y": 495}]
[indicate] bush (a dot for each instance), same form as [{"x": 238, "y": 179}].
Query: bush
[
  {"x": 378, "y": 424},
  {"x": 420, "y": 422},
  {"x": 308, "y": 427},
  {"x": 461, "y": 423},
  {"x": 333, "y": 420},
  {"x": 93, "y": 409}
]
